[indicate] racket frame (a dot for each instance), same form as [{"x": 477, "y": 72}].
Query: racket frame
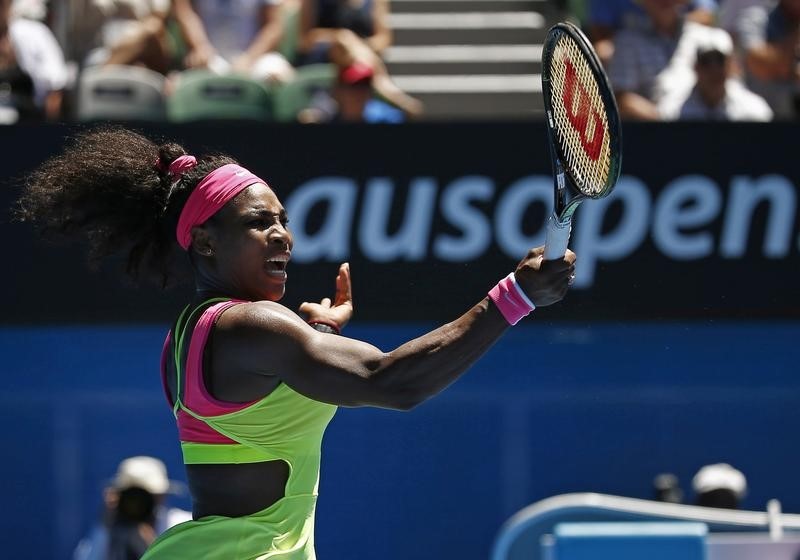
[{"x": 567, "y": 196}]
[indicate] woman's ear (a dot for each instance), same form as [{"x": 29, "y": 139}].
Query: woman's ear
[{"x": 203, "y": 241}]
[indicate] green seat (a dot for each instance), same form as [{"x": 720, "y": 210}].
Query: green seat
[
  {"x": 293, "y": 97},
  {"x": 201, "y": 95}
]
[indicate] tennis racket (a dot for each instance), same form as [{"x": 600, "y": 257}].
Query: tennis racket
[{"x": 583, "y": 129}]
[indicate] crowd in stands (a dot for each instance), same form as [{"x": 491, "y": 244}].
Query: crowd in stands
[
  {"x": 666, "y": 59},
  {"x": 76, "y": 58},
  {"x": 721, "y": 60}
]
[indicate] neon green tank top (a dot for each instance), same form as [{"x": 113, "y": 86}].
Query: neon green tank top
[{"x": 284, "y": 425}]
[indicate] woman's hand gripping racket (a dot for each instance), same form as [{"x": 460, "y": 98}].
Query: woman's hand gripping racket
[{"x": 583, "y": 128}]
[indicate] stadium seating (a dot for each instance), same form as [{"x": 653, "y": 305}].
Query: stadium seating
[
  {"x": 201, "y": 95},
  {"x": 293, "y": 97},
  {"x": 120, "y": 93},
  {"x": 471, "y": 58}
]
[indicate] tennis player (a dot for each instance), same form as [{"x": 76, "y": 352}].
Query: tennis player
[{"x": 252, "y": 384}]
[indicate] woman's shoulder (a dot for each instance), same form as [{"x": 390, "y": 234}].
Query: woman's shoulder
[{"x": 261, "y": 315}]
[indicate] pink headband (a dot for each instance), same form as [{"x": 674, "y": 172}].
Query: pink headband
[{"x": 211, "y": 194}]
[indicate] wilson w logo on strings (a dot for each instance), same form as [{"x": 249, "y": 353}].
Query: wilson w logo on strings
[{"x": 579, "y": 109}]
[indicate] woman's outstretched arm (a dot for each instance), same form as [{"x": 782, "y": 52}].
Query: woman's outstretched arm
[{"x": 269, "y": 339}]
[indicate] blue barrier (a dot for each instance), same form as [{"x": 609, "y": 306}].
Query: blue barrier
[{"x": 629, "y": 541}]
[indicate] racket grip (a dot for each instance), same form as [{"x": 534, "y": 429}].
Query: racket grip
[{"x": 555, "y": 244}]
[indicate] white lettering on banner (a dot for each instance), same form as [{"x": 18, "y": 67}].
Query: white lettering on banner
[
  {"x": 476, "y": 234},
  {"x": 411, "y": 241},
  {"x": 332, "y": 241},
  {"x": 745, "y": 195},
  {"x": 687, "y": 202},
  {"x": 511, "y": 209},
  {"x": 592, "y": 245},
  {"x": 681, "y": 220}
]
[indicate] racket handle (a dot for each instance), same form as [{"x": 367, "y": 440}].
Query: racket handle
[{"x": 555, "y": 244}]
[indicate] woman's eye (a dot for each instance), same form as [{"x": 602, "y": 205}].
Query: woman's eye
[{"x": 267, "y": 223}]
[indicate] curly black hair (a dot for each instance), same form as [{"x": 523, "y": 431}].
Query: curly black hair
[{"x": 111, "y": 187}]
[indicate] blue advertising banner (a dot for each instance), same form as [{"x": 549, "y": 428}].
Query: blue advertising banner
[{"x": 703, "y": 223}]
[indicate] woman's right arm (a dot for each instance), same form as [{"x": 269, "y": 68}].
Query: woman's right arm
[{"x": 267, "y": 338}]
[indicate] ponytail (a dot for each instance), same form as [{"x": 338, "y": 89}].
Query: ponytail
[{"x": 112, "y": 187}]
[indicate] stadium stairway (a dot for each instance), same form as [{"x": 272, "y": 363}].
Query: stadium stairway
[{"x": 471, "y": 59}]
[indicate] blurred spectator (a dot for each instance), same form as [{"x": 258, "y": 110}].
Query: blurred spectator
[
  {"x": 128, "y": 32},
  {"x": 33, "y": 74},
  {"x": 716, "y": 96},
  {"x": 666, "y": 488},
  {"x": 234, "y": 36},
  {"x": 730, "y": 13},
  {"x": 654, "y": 62},
  {"x": 31, "y": 9},
  {"x": 323, "y": 21},
  {"x": 351, "y": 100},
  {"x": 770, "y": 38},
  {"x": 134, "y": 514},
  {"x": 607, "y": 17},
  {"x": 719, "y": 485},
  {"x": 349, "y": 31}
]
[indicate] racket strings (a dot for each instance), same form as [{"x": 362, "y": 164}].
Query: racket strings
[{"x": 579, "y": 118}]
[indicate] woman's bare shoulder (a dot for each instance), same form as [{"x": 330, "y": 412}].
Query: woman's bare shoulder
[{"x": 261, "y": 315}]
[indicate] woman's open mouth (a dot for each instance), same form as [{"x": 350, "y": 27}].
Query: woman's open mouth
[{"x": 276, "y": 266}]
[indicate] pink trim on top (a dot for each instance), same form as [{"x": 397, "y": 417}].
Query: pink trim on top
[
  {"x": 196, "y": 396},
  {"x": 165, "y": 354},
  {"x": 192, "y": 430}
]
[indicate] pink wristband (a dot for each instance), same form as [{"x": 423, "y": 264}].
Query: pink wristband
[{"x": 509, "y": 298}]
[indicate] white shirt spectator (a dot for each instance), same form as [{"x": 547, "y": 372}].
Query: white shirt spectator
[
  {"x": 739, "y": 104},
  {"x": 39, "y": 55},
  {"x": 715, "y": 95}
]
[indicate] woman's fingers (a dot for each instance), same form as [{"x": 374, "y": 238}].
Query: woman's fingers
[
  {"x": 344, "y": 296},
  {"x": 344, "y": 288}
]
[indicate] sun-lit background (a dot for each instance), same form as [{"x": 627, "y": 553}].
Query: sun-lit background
[{"x": 424, "y": 163}]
